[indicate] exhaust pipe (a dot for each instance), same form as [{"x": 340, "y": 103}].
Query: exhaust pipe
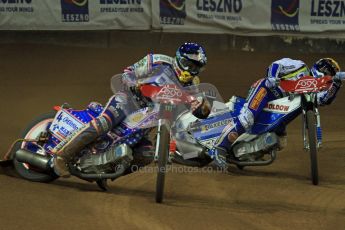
[
  {"x": 34, "y": 159},
  {"x": 43, "y": 163}
]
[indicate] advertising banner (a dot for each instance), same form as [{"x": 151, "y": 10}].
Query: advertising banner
[
  {"x": 75, "y": 14},
  {"x": 211, "y": 16},
  {"x": 322, "y": 15},
  {"x": 257, "y": 17}
]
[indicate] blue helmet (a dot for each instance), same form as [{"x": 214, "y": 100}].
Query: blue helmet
[
  {"x": 325, "y": 66},
  {"x": 191, "y": 57}
]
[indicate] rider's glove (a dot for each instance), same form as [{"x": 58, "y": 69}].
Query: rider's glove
[
  {"x": 138, "y": 96},
  {"x": 195, "y": 104},
  {"x": 272, "y": 82},
  {"x": 135, "y": 90},
  {"x": 201, "y": 108}
]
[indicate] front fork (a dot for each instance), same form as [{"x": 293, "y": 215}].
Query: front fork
[
  {"x": 172, "y": 145},
  {"x": 310, "y": 99},
  {"x": 158, "y": 138}
]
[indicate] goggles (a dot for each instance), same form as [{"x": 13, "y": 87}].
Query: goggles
[{"x": 193, "y": 67}]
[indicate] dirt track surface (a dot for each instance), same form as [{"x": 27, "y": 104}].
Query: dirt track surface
[{"x": 280, "y": 196}]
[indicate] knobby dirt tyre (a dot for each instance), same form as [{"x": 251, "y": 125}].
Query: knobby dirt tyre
[
  {"x": 163, "y": 153},
  {"x": 22, "y": 169},
  {"x": 311, "y": 124}
]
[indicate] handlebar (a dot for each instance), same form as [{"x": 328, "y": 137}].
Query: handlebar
[
  {"x": 340, "y": 76},
  {"x": 166, "y": 94}
]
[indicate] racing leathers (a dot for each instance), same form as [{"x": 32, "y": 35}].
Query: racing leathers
[
  {"x": 200, "y": 107},
  {"x": 114, "y": 112},
  {"x": 260, "y": 93}
]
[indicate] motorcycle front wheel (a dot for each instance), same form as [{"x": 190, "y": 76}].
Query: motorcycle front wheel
[
  {"x": 163, "y": 153},
  {"x": 311, "y": 124}
]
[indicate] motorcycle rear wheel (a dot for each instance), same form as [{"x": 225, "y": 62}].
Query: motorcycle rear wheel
[
  {"x": 163, "y": 152},
  {"x": 311, "y": 124},
  {"x": 24, "y": 170}
]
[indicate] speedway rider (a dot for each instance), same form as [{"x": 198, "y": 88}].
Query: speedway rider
[
  {"x": 189, "y": 61},
  {"x": 268, "y": 89}
]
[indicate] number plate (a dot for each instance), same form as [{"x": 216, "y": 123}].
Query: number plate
[{"x": 64, "y": 125}]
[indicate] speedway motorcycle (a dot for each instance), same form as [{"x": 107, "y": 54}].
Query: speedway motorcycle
[
  {"x": 193, "y": 138},
  {"x": 33, "y": 153},
  {"x": 184, "y": 139},
  {"x": 172, "y": 100}
]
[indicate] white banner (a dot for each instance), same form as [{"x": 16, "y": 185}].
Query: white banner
[
  {"x": 259, "y": 17},
  {"x": 75, "y": 14},
  {"x": 211, "y": 16},
  {"x": 322, "y": 16}
]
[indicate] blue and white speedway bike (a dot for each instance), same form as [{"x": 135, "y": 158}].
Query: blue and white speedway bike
[{"x": 257, "y": 147}]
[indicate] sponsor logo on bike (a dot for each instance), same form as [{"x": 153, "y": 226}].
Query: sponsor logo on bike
[
  {"x": 284, "y": 15},
  {"x": 136, "y": 117},
  {"x": 70, "y": 123},
  {"x": 75, "y": 10},
  {"x": 277, "y": 107},
  {"x": 169, "y": 92},
  {"x": 306, "y": 85},
  {"x": 64, "y": 125},
  {"x": 217, "y": 124},
  {"x": 172, "y": 12},
  {"x": 209, "y": 143},
  {"x": 257, "y": 99}
]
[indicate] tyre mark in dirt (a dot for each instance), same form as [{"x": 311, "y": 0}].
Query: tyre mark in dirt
[{"x": 127, "y": 193}]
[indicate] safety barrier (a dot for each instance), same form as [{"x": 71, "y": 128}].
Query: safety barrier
[{"x": 250, "y": 17}]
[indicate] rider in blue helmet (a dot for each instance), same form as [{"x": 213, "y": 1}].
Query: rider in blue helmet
[{"x": 190, "y": 60}]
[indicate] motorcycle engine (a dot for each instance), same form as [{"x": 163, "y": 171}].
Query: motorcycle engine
[
  {"x": 248, "y": 150},
  {"x": 105, "y": 161}
]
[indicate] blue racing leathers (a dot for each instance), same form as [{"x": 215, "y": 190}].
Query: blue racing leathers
[{"x": 265, "y": 90}]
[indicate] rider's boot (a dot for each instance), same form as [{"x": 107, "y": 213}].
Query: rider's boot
[
  {"x": 74, "y": 146},
  {"x": 112, "y": 115},
  {"x": 219, "y": 158}
]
